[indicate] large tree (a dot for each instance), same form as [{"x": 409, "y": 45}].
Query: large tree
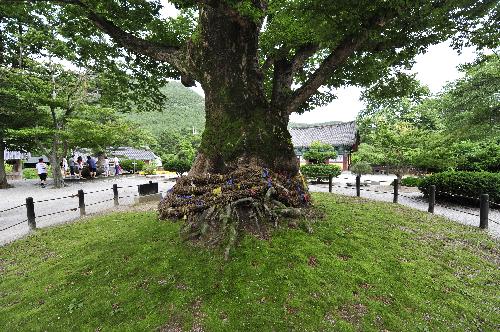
[{"x": 258, "y": 61}]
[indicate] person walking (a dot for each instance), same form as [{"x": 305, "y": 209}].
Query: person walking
[
  {"x": 41, "y": 168},
  {"x": 92, "y": 166},
  {"x": 106, "y": 166},
  {"x": 116, "y": 162}
]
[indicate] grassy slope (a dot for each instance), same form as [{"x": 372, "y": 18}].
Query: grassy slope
[
  {"x": 369, "y": 266},
  {"x": 183, "y": 109}
]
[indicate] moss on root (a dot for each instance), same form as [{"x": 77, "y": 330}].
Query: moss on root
[{"x": 217, "y": 208}]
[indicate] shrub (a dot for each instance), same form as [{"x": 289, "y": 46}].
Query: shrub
[
  {"x": 177, "y": 164},
  {"x": 318, "y": 171},
  {"x": 361, "y": 167},
  {"x": 128, "y": 166},
  {"x": 8, "y": 168},
  {"x": 150, "y": 169},
  {"x": 319, "y": 152},
  {"x": 466, "y": 184},
  {"x": 411, "y": 181},
  {"x": 30, "y": 173}
]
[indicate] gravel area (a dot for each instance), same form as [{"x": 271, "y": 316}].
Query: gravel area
[
  {"x": 411, "y": 197},
  {"x": 98, "y": 198}
]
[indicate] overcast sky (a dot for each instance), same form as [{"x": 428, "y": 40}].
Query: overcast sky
[{"x": 434, "y": 69}]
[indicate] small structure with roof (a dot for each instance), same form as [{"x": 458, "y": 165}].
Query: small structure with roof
[
  {"x": 15, "y": 158},
  {"x": 145, "y": 155},
  {"x": 343, "y": 136}
]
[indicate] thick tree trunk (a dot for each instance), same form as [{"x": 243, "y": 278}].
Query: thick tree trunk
[
  {"x": 246, "y": 170},
  {"x": 3, "y": 174}
]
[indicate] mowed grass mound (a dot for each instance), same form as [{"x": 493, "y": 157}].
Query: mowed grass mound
[{"x": 367, "y": 266}]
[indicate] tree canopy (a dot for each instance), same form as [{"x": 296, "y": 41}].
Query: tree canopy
[{"x": 303, "y": 44}]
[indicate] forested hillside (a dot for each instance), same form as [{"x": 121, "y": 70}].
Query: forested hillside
[{"x": 183, "y": 110}]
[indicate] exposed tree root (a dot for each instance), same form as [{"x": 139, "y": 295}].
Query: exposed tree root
[{"x": 218, "y": 208}]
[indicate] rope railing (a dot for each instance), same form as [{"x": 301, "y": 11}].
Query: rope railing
[
  {"x": 97, "y": 191},
  {"x": 30, "y": 203},
  {"x": 54, "y": 199},
  {"x": 12, "y": 208},
  {"x": 19, "y": 223},
  {"x": 484, "y": 203},
  {"x": 100, "y": 202},
  {"x": 58, "y": 212}
]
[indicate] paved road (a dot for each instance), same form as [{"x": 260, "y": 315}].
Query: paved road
[
  {"x": 99, "y": 196},
  {"x": 95, "y": 201},
  {"x": 413, "y": 198}
]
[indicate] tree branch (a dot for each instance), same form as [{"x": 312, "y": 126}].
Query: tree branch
[
  {"x": 337, "y": 57},
  {"x": 284, "y": 71},
  {"x": 161, "y": 52}
]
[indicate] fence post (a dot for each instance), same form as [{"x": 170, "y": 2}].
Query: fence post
[
  {"x": 81, "y": 202},
  {"x": 330, "y": 184},
  {"x": 483, "y": 211},
  {"x": 30, "y": 212},
  {"x": 115, "y": 194},
  {"x": 358, "y": 185},
  {"x": 396, "y": 190},
  {"x": 432, "y": 198}
]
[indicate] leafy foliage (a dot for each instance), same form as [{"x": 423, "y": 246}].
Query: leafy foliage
[
  {"x": 319, "y": 153},
  {"x": 411, "y": 181},
  {"x": 320, "y": 171},
  {"x": 128, "y": 165},
  {"x": 180, "y": 162},
  {"x": 457, "y": 186},
  {"x": 181, "y": 110},
  {"x": 361, "y": 167}
]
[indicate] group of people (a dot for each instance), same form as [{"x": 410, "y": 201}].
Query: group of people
[{"x": 75, "y": 167}]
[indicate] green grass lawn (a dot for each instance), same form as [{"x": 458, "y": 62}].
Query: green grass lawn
[{"x": 368, "y": 266}]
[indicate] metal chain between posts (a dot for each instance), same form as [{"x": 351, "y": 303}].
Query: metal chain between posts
[
  {"x": 19, "y": 223},
  {"x": 419, "y": 200},
  {"x": 12, "y": 208},
  {"x": 58, "y": 212},
  {"x": 100, "y": 202},
  {"x": 54, "y": 199},
  {"x": 494, "y": 221},
  {"x": 97, "y": 191}
]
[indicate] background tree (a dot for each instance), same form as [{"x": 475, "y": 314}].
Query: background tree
[
  {"x": 182, "y": 160},
  {"x": 259, "y": 61},
  {"x": 318, "y": 155}
]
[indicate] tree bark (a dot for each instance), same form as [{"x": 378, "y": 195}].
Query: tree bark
[
  {"x": 3, "y": 174},
  {"x": 246, "y": 170},
  {"x": 55, "y": 161},
  {"x": 241, "y": 127}
]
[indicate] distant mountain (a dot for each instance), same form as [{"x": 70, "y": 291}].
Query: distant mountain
[{"x": 183, "y": 110}]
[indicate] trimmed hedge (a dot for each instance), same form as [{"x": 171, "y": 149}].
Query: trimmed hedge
[
  {"x": 411, "y": 181},
  {"x": 128, "y": 166},
  {"x": 318, "y": 171},
  {"x": 469, "y": 184}
]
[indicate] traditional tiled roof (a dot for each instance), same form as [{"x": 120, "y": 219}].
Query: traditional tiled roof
[
  {"x": 132, "y": 153},
  {"x": 340, "y": 134},
  {"x": 13, "y": 155}
]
